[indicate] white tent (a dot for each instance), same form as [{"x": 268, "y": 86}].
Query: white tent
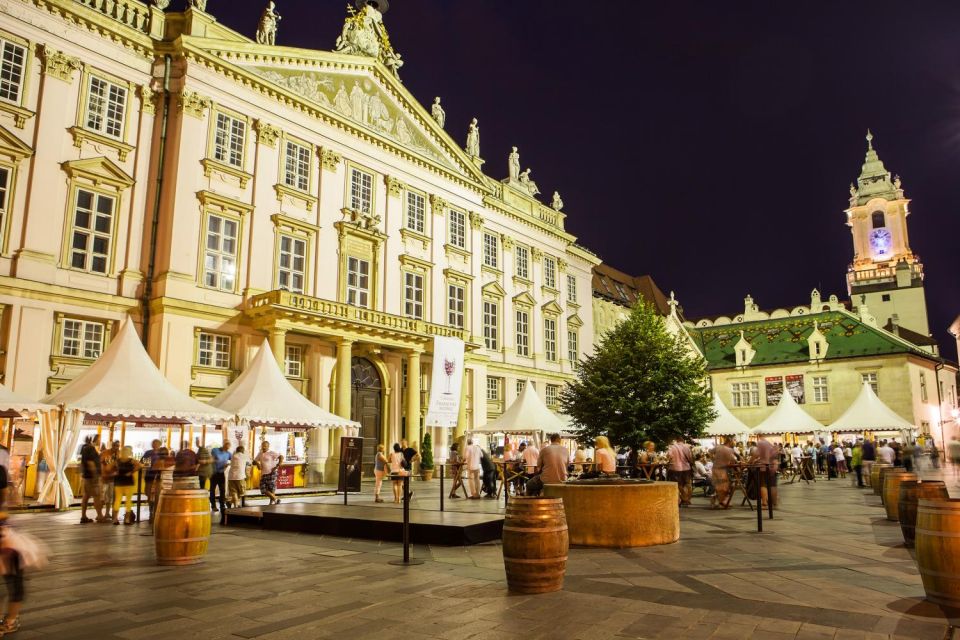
[
  {"x": 263, "y": 396},
  {"x": 725, "y": 424},
  {"x": 527, "y": 415},
  {"x": 869, "y": 413},
  {"x": 124, "y": 384},
  {"x": 788, "y": 417},
  {"x": 13, "y": 404}
]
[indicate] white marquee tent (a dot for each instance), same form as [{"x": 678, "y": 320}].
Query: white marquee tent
[
  {"x": 725, "y": 424},
  {"x": 123, "y": 384},
  {"x": 263, "y": 396},
  {"x": 788, "y": 417},
  {"x": 869, "y": 413},
  {"x": 528, "y": 415},
  {"x": 13, "y": 404}
]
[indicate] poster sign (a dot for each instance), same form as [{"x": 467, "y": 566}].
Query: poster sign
[
  {"x": 351, "y": 461},
  {"x": 446, "y": 380},
  {"x": 285, "y": 475},
  {"x": 795, "y": 387},
  {"x": 774, "y": 390}
]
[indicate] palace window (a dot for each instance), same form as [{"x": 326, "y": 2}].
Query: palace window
[
  {"x": 228, "y": 140},
  {"x": 821, "y": 392},
  {"x": 413, "y": 295},
  {"x": 12, "y": 61},
  {"x": 296, "y": 172},
  {"x": 458, "y": 229},
  {"x": 292, "y": 268},
  {"x": 551, "y": 393},
  {"x": 745, "y": 394},
  {"x": 358, "y": 282},
  {"x": 81, "y": 339},
  {"x": 293, "y": 361},
  {"x": 523, "y": 262},
  {"x": 106, "y": 107},
  {"x": 491, "y": 329},
  {"x": 573, "y": 348},
  {"x": 872, "y": 379},
  {"x": 4, "y": 194},
  {"x": 416, "y": 211},
  {"x": 491, "y": 253},
  {"x": 456, "y": 295},
  {"x": 571, "y": 288},
  {"x": 92, "y": 232},
  {"x": 523, "y": 333},
  {"x": 549, "y": 272},
  {"x": 213, "y": 350},
  {"x": 220, "y": 258},
  {"x": 923, "y": 386},
  {"x": 521, "y": 384},
  {"x": 550, "y": 339},
  {"x": 361, "y": 190},
  {"x": 494, "y": 385}
]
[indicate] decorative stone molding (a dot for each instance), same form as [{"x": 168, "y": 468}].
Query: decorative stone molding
[
  {"x": 81, "y": 135},
  {"x": 506, "y": 241},
  {"x": 394, "y": 187},
  {"x": 330, "y": 159},
  {"x": 536, "y": 254},
  {"x": 437, "y": 205},
  {"x": 194, "y": 104},
  {"x": 148, "y": 99},
  {"x": 476, "y": 220},
  {"x": 561, "y": 265},
  {"x": 267, "y": 134},
  {"x": 58, "y": 64}
]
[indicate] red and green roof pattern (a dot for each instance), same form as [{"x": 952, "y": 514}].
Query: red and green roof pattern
[{"x": 784, "y": 340}]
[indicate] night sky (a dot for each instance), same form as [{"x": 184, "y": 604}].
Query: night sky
[{"x": 709, "y": 144}]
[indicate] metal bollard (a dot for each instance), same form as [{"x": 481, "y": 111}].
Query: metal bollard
[
  {"x": 407, "y": 560},
  {"x": 441, "y": 486}
]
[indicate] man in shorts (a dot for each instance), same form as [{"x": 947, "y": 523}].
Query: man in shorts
[
  {"x": 268, "y": 462},
  {"x": 90, "y": 466}
]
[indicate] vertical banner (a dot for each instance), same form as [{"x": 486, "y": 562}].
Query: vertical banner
[
  {"x": 445, "y": 383},
  {"x": 795, "y": 387},
  {"x": 774, "y": 389},
  {"x": 351, "y": 461}
]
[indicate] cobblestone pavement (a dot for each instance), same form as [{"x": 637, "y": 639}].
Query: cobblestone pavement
[{"x": 828, "y": 566}]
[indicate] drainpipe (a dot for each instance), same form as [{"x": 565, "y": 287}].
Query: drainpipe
[
  {"x": 155, "y": 222},
  {"x": 943, "y": 438}
]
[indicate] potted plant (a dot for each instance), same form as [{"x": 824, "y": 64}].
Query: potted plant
[{"x": 426, "y": 458}]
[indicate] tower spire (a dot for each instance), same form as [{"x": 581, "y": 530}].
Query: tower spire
[{"x": 874, "y": 181}]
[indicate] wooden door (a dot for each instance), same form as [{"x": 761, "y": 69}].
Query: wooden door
[{"x": 365, "y": 408}]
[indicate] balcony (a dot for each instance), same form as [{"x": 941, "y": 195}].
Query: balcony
[
  {"x": 284, "y": 307},
  {"x": 135, "y": 15},
  {"x": 866, "y": 277}
]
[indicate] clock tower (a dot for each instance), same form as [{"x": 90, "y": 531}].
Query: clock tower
[{"x": 885, "y": 274}]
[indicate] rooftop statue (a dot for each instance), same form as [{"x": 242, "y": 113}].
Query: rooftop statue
[
  {"x": 513, "y": 165},
  {"x": 198, "y": 4},
  {"x": 365, "y": 35},
  {"x": 438, "y": 113},
  {"x": 473, "y": 139},
  {"x": 161, "y": 4},
  {"x": 557, "y": 203},
  {"x": 526, "y": 181},
  {"x": 267, "y": 31}
]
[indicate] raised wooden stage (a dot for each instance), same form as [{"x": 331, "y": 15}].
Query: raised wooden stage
[{"x": 452, "y": 528}]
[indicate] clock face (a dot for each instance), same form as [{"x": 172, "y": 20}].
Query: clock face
[{"x": 880, "y": 241}]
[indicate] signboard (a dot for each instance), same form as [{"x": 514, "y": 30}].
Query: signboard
[
  {"x": 795, "y": 387},
  {"x": 445, "y": 383},
  {"x": 285, "y": 475},
  {"x": 351, "y": 461},
  {"x": 774, "y": 389}
]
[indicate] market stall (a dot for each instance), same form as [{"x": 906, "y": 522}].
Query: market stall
[
  {"x": 725, "y": 424},
  {"x": 123, "y": 388},
  {"x": 527, "y": 416},
  {"x": 265, "y": 407},
  {"x": 17, "y": 435},
  {"x": 787, "y": 421},
  {"x": 868, "y": 415}
]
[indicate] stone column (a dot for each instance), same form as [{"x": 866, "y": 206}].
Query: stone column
[
  {"x": 344, "y": 361},
  {"x": 277, "y": 339},
  {"x": 413, "y": 398},
  {"x": 462, "y": 416}
]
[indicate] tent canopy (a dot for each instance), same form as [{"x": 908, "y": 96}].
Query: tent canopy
[
  {"x": 124, "y": 384},
  {"x": 13, "y": 404},
  {"x": 263, "y": 396},
  {"x": 527, "y": 415},
  {"x": 725, "y": 424},
  {"x": 788, "y": 417},
  {"x": 869, "y": 413}
]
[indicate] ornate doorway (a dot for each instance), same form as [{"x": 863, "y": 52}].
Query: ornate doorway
[{"x": 365, "y": 407}]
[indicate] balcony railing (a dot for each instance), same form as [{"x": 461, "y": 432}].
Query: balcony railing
[
  {"x": 881, "y": 274},
  {"x": 340, "y": 311},
  {"x": 129, "y": 12}
]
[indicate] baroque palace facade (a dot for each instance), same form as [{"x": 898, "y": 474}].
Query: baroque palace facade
[{"x": 222, "y": 190}]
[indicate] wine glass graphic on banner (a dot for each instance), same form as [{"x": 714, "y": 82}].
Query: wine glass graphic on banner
[{"x": 449, "y": 366}]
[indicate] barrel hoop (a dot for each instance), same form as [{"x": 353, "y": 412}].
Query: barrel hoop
[
  {"x": 535, "y": 529},
  {"x": 182, "y": 540},
  {"x": 938, "y": 534},
  {"x": 536, "y": 560},
  {"x": 181, "y": 514}
]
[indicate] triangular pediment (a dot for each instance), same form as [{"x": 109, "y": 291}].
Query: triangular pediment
[
  {"x": 493, "y": 288},
  {"x": 355, "y": 90},
  {"x": 524, "y": 298},
  {"x": 13, "y": 147},
  {"x": 552, "y": 308},
  {"x": 574, "y": 321},
  {"x": 99, "y": 171}
]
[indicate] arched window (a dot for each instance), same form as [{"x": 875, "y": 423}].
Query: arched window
[{"x": 879, "y": 220}]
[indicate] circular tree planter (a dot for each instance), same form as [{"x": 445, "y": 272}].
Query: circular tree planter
[{"x": 618, "y": 513}]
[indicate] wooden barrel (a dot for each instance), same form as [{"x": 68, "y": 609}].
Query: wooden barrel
[
  {"x": 181, "y": 528},
  {"x": 891, "y": 491},
  {"x": 535, "y": 544},
  {"x": 883, "y": 477},
  {"x": 875, "y": 476},
  {"x": 938, "y": 550},
  {"x": 910, "y": 492}
]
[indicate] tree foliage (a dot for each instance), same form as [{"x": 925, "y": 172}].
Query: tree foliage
[
  {"x": 426, "y": 452},
  {"x": 642, "y": 383}
]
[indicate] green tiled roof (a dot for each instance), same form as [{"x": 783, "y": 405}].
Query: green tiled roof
[{"x": 784, "y": 340}]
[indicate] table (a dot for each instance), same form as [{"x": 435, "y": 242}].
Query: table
[{"x": 652, "y": 470}]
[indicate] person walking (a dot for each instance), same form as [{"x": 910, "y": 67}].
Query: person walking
[
  {"x": 397, "y": 471},
  {"x": 204, "y": 464},
  {"x": 456, "y": 463},
  {"x": 766, "y": 454},
  {"x": 91, "y": 473},
  {"x": 379, "y": 469},
  {"x": 723, "y": 457},
  {"x": 680, "y": 469},
  {"x": 185, "y": 462},
  {"x": 473, "y": 456},
  {"x": 869, "y": 457},
  {"x": 856, "y": 461},
  {"x": 268, "y": 462},
  {"x": 108, "y": 472},
  {"x": 151, "y": 476},
  {"x": 124, "y": 485},
  {"x": 840, "y": 461},
  {"x": 218, "y": 480},
  {"x": 237, "y": 476}
]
